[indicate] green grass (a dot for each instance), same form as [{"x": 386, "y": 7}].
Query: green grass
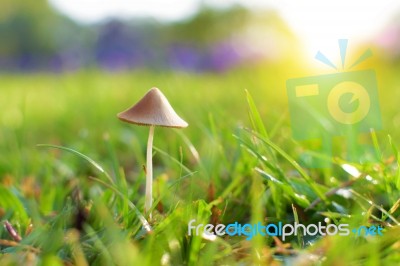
[{"x": 83, "y": 204}]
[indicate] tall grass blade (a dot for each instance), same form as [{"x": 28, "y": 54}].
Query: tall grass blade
[
  {"x": 81, "y": 155},
  {"x": 299, "y": 169}
]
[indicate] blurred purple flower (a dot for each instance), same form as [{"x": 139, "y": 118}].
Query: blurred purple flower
[
  {"x": 223, "y": 56},
  {"x": 184, "y": 57}
]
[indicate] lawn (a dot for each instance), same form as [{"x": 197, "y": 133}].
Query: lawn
[{"x": 80, "y": 201}]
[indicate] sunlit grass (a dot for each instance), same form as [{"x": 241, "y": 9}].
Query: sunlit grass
[{"x": 235, "y": 162}]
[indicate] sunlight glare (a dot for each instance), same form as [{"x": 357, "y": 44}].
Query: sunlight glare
[{"x": 319, "y": 24}]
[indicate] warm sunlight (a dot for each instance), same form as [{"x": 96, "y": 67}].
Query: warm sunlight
[{"x": 319, "y": 26}]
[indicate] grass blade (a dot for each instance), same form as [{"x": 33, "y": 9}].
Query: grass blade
[
  {"x": 255, "y": 117},
  {"x": 81, "y": 155},
  {"x": 299, "y": 233},
  {"x": 299, "y": 169},
  {"x": 370, "y": 202},
  {"x": 188, "y": 171},
  {"x": 142, "y": 219}
]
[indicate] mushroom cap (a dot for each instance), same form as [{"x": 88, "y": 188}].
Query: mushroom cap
[{"x": 153, "y": 109}]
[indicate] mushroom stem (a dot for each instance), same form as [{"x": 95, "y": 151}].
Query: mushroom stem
[{"x": 149, "y": 172}]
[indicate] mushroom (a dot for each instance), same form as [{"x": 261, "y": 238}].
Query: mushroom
[{"x": 152, "y": 110}]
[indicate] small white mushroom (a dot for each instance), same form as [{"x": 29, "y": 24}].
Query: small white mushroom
[{"x": 152, "y": 110}]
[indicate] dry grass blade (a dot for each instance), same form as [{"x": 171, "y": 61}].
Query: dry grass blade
[
  {"x": 331, "y": 193},
  {"x": 12, "y": 232}
]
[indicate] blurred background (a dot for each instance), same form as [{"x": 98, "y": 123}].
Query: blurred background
[{"x": 191, "y": 35}]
